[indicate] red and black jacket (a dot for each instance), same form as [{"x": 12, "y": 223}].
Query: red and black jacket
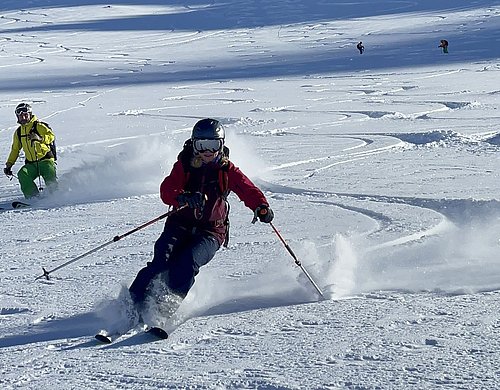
[{"x": 215, "y": 180}]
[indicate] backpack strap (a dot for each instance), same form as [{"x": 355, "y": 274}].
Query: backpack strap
[
  {"x": 34, "y": 128},
  {"x": 186, "y": 158},
  {"x": 224, "y": 179}
]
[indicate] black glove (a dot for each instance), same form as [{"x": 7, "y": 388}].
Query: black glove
[
  {"x": 264, "y": 214},
  {"x": 8, "y": 170},
  {"x": 194, "y": 200}
]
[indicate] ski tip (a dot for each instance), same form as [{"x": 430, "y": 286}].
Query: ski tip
[
  {"x": 158, "y": 332},
  {"x": 103, "y": 339}
]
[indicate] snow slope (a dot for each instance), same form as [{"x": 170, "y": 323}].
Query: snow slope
[{"x": 382, "y": 170}]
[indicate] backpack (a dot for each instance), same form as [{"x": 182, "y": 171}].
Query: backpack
[
  {"x": 52, "y": 145},
  {"x": 185, "y": 157}
]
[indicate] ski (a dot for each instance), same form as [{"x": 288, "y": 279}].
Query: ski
[
  {"x": 106, "y": 337},
  {"x": 154, "y": 331},
  {"x": 157, "y": 332},
  {"x": 19, "y": 205},
  {"x": 103, "y": 338},
  {"x": 4, "y": 206}
]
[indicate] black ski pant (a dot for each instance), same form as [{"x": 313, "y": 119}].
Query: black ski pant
[{"x": 179, "y": 253}]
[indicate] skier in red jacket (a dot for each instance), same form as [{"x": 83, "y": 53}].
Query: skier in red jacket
[{"x": 200, "y": 180}]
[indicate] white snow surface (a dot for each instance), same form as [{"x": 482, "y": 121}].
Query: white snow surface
[{"x": 382, "y": 170}]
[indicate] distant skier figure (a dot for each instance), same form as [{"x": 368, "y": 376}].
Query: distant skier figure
[
  {"x": 34, "y": 138},
  {"x": 200, "y": 180},
  {"x": 360, "y": 47},
  {"x": 444, "y": 45}
]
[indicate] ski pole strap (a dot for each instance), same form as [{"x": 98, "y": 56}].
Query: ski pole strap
[{"x": 254, "y": 217}]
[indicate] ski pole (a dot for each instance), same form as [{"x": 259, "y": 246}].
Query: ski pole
[
  {"x": 297, "y": 261},
  {"x": 40, "y": 188},
  {"x": 116, "y": 238}
]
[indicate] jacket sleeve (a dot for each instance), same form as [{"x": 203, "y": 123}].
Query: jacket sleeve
[
  {"x": 242, "y": 186},
  {"x": 15, "y": 149},
  {"x": 173, "y": 185}
]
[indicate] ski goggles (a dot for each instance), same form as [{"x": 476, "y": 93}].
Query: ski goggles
[{"x": 207, "y": 145}]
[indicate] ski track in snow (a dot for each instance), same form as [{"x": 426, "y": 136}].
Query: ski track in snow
[{"x": 385, "y": 185}]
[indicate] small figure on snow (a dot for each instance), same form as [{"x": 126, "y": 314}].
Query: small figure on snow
[
  {"x": 34, "y": 138},
  {"x": 200, "y": 180},
  {"x": 360, "y": 47},
  {"x": 444, "y": 45}
]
